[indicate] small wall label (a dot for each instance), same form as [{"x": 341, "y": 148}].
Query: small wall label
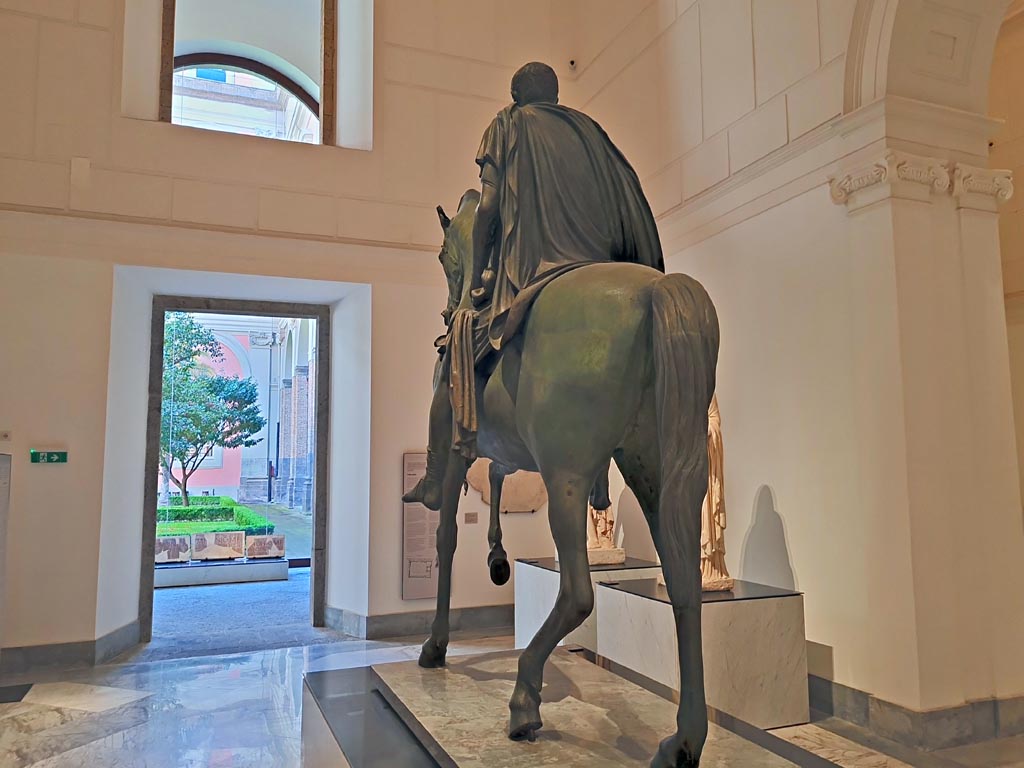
[{"x": 48, "y": 457}]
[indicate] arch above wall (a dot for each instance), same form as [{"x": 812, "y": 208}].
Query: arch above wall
[
  {"x": 932, "y": 51},
  {"x": 288, "y": 42}
]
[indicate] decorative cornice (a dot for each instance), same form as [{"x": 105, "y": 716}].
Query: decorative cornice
[
  {"x": 900, "y": 170},
  {"x": 892, "y": 167},
  {"x": 971, "y": 180}
]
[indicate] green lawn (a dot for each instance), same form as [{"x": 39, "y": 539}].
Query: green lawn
[{"x": 182, "y": 521}]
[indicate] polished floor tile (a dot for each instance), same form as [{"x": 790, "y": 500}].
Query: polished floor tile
[
  {"x": 91, "y": 698},
  {"x": 1001, "y": 753},
  {"x": 836, "y": 749},
  {"x": 232, "y": 711}
]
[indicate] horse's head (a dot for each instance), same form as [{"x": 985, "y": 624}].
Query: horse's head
[{"x": 457, "y": 251}]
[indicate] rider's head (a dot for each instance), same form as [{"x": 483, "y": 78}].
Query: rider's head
[{"x": 534, "y": 82}]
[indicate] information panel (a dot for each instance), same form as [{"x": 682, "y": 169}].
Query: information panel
[{"x": 419, "y": 536}]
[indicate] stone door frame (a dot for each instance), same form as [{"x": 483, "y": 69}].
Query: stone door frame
[{"x": 318, "y": 556}]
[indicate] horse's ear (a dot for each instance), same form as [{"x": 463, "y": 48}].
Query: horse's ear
[{"x": 445, "y": 221}]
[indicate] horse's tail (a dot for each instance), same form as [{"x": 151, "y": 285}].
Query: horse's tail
[
  {"x": 685, "y": 355},
  {"x": 685, "y": 341}
]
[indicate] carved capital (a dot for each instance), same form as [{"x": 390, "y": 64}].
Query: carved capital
[
  {"x": 892, "y": 168},
  {"x": 993, "y": 183},
  {"x": 921, "y": 170},
  {"x": 861, "y": 178}
]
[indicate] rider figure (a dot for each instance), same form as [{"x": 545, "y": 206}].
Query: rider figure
[{"x": 556, "y": 194}]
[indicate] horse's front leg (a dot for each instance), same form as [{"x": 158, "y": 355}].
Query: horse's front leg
[
  {"x": 497, "y": 559},
  {"x": 436, "y": 646}
]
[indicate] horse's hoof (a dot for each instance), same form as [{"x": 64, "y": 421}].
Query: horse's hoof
[
  {"x": 520, "y": 729},
  {"x": 432, "y": 655},
  {"x": 524, "y": 714},
  {"x": 671, "y": 755},
  {"x": 500, "y": 572}
]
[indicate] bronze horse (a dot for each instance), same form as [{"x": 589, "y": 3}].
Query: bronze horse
[{"x": 615, "y": 361}]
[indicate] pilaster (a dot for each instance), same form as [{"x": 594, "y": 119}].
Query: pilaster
[{"x": 936, "y": 217}]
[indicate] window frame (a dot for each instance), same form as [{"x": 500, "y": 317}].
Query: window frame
[
  {"x": 212, "y": 59},
  {"x": 326, "y": 107}
]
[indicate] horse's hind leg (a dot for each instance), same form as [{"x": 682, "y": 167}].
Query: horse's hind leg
[
  {"x": 436, "y": 646},
  {"x": 567, "y": 514},
  {"x": 497, "y": 560},
  {"x": 676, "y": 535}
]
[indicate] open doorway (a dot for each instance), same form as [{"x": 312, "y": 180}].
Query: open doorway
[{"x": 235, "y": 510}]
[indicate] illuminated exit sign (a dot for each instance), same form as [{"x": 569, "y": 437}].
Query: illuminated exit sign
[{"x": 48, "y": 457}]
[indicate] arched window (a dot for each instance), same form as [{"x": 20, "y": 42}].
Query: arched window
[{"x": 239, "y": 95}]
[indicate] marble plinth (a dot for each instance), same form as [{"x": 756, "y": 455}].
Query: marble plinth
[
  {"x": 536, "y": 586},
  {"x": 592, "y": 717},
  {"x": 755, "y": 652},
  {"x": 609, "y": 556},
  {"x": 218, "y": 546},
  {"x": 220, "y": 572}
]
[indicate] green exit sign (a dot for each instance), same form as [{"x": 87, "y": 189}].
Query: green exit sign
[{"x": 48, "y": 457}]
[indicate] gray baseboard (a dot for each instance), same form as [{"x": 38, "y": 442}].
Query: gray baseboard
[
  {"x": 968, "y": 723},
  {"x": 117, "y": 642},
  {"x": 22, "y": 659},
  {"x": 417, "y": 622},
  {"x": 349, "y": 622}
]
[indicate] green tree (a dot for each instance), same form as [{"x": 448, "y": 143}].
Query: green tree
[{"x": 200, "y": 409}]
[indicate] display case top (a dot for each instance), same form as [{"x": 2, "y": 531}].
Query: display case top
[
  {"x": 550, "y": 564},
  {"x": 742, "y": 590}
]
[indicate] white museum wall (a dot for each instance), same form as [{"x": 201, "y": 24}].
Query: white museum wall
[
  {"x": 441, "y": 72},
  {"x": 725, "y": 113},
  {"x": 348, "y": 534},
  {"x": 696, "y": 90},
  {"x": 80, "y": 274},
  {"x": 673, "y": 83},
  {"x": 808, "y": 386},
  {"x": 53, "y": 354},
  {"x": 128, "y": 401},
  {"x": 402, "y": 389},
  {"x": 124, "y": 457},
  {"x": 1008, "y": 152}
]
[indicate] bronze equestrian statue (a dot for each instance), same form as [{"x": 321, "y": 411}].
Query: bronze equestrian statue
[{"x": 566, "y": 347}]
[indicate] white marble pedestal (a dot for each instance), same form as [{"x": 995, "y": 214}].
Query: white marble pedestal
[
  {"x": 536, "y": 586},
  {"x": 755, "y": 652}
]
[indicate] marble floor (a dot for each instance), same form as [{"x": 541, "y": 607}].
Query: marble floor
[
  {"x": 852, "y": 747},
  {"x": 228, "y": 711},
  {"x": 244, "y": 711}
]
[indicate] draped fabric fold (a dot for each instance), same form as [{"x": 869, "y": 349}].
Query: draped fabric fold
[
  {"x": 463, "y": 382},
  {"x": 567, "y": 195}
]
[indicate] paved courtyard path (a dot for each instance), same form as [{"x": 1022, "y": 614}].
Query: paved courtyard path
[{"x": 297, "y": 527}]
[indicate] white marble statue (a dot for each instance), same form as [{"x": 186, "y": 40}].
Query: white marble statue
[
  {"x": 601, "y": 548},
  {"x": 714, "y": 574}
]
